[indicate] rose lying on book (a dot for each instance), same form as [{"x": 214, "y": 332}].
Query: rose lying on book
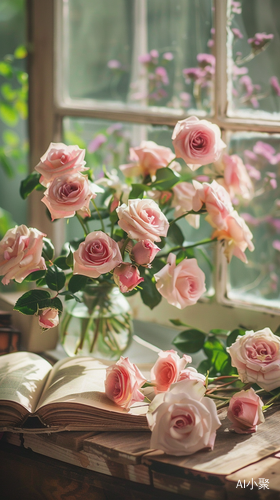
[{"x": 67, "y": 396}]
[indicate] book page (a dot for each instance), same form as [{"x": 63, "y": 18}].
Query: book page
[
  {"x": 81, "y": 380},
  {"x": 22, "y": 378}
]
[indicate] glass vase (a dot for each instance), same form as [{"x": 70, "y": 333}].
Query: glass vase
[{"x": 100, "y": 325}]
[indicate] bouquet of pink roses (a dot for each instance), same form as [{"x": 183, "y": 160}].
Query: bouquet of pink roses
[
  {"x": 183, "y": 414},
  {"x": 133, "y": 248}
]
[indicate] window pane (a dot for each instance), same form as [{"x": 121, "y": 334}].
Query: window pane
[
  {"x": 259, "y": 280},
  {"x": 145, "y": 53},
  {"x": 13, "y": 113},
  {"x": 107, "y": 145},
  {"x": 254, "y": 45}
]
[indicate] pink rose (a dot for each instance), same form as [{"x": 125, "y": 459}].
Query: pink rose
[
  {"x": 123, "y": 381},
  {"x": 216, "y": 200},
  {"x": 48, "y": 318},
  {"x": 144, "y": 252},
  {"x": 60, "y": 159},
  {"x": 142, "y": 219},
  {"x": 182, "y": 420},
  {"x": 167, "y": 369},
  {"x": 191, "y": 373},
  {"x": 127, "y": 277},
  {"x": 21, "y": 253},
  {"x": 180, "y": 285},
  {"x": 245, "y": 412},
  {"x": 236, "y": 178},
  {"x": 183, "y": 194},
  {"x": 97, "y": 255},
  {"x": 67, "y": 195},
  {"x": 197, "y": 142},
  {"x": 236, "y": 236},
  {"x": 256, "y": 355},
  {"x": 147, "y": 159}
]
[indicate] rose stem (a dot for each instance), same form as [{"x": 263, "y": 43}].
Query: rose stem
[{"x": 99, "y": 216}]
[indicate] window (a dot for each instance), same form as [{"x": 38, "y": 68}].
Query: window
[{"x": 127, "y": 70}]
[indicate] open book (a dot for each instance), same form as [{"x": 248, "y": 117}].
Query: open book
[{"x": 38, "y": 397}]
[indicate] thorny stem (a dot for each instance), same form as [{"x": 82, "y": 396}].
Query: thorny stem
[
  {"x": 80, "y": 219},
  {"x": 183, "y": 247},
  {"x": 214, "y": 389},
  {"x": 124, "y": 246},
  {"x": 273, "y": 399},
  {"x": 190, "y": 212}
]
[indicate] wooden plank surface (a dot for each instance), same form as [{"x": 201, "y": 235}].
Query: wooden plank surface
[
  {"x": 121, "y": 447},
  {"x": 231, "y": 452},
  {"x": 92, "y": 461}
]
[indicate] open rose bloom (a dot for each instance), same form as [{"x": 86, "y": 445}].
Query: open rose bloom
[
  {"x": 168, "y": 369},
  {"x": 21, "y": 253},
  {"x": 180, "y": 285},
  {"x": 256, "y": 356},
  {"x": 183, "y": 420},
  {"x": 123, "y": 383},
  {"x": 60, "y": 159}
]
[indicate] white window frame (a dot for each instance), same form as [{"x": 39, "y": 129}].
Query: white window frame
[{"x": 47, "y": 109}]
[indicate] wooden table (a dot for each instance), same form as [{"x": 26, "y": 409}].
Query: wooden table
[{"x": 120, "y": 465}]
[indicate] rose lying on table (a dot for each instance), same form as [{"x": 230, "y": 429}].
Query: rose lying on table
[{"x": 182, "y": 416}]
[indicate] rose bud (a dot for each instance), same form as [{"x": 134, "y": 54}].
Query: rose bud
[
  {"x": 245, "y": 412},
  {"x": 144, "y": 252},
  {"x": 127, "y": 277},
  {"x": 48, "y": 318}
]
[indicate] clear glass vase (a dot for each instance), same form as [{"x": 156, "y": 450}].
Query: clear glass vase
[{"x": 99, "y": 325}]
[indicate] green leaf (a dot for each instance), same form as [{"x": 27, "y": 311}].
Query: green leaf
[
  {"x": 178, "y": 322},
  {"x": 137, "y": 191},
  {"x": 157, "y": 265},
  {"x": 8, "y": 114},
  {"x": 8, "y": 92},
  {"x": 11, "y": 138},
  {"x": 114, "y": 217},
  {"x": 204, "y": 366},
  {"x": 34, "y": 276},
  {"x": 189, "y": 341},
  {"x": 149, "y": 293},
  {"x": 175, "y": 234},
  {"x": 183, "y": 254},
  {"x": 69, "y": 295},
  {"x": 103, "y": 213},
  {"x": 56, "y": 303},
  {"x": 29, "y": 184},
  {"x": 233, "y": 336},
  {"x": 41, "y": 282},
  {"x": 20, "y": 52},
  {"x": 165, "y": 179},
  {"x": 6, "y": 164},
  {"x": 48, "y": 249},
  {"x": 6, "y": 69},
  {"x": 61, "y": 262},
  {"x": 55, "y": 278},
  {"x": 219, "y": 331},
  {"x": 77, "y": 282},
  {"x": 31, "y": 301},
  {"x": 211, "y": 345},
  {"x": 70, "y": 259}
]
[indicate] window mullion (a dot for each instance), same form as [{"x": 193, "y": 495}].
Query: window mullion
[
  {"x": 41, "y": 105},
  {"x": 221, "y": 59}
]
